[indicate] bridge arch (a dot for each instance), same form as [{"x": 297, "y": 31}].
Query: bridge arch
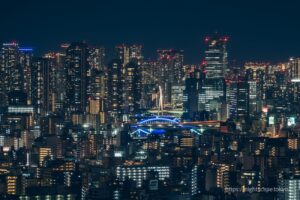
[{"x": 155, "y": 120}]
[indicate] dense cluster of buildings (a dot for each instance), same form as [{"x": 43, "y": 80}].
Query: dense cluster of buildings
[{"x": 78, "y": 125}]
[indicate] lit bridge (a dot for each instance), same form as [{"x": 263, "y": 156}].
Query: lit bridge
[{"x": 159, "y": 125}]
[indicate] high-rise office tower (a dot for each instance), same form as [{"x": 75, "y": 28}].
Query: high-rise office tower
[
  {"x": 132, "y": 103},
  {"x": 294, "y": 86},
  {"x": 59, "y": 77},
  {"x": 97, "y": 90},
  {"x": 115, "y": 89},
  {"x": 294, "y": 69},
  {"x": 131, "y": 61},
  {"x": 193, "y": 85},
  {"x": 213, "y": 93},
  {"x": 126, "y": 53},
  {"x": 239, "y": 99},
  {"x": 149, "y": 83},
  {"x": 25, "y": 59},
  {"x": 95, "y": 73},
  {"x": 243, "y": 101},
  {"x": 96, "y": 83},
  {"x": 253, "y": 98},
  {"x": 216, "y": 63},
  {"x": 10, "y": 68},
  {"x": 76, "y": 78},
  {"x": 170, "y": 66},
  {"x": 123, "y": 54},
  {"x": 43, "y": 85},
  {"x": 255, "y": 75},
  {"x": 96, "y": 58}
]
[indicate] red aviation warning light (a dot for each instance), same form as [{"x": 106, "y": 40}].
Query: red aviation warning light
[{"x": 225, "y": 39}]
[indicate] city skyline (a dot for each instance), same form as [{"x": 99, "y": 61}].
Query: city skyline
[
  {"x": 145, "y": 100},
  {"x": 253, "y": 27}
]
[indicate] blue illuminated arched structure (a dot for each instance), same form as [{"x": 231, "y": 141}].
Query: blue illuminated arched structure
[
  {"x": 159, "y": 120},
  {"x": 159, "y": 125}
]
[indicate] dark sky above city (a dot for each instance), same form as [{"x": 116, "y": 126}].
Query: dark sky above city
[{"x": 265, "y": 30}]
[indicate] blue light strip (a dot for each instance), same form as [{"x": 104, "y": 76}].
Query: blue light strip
[
  {"x": 141, "y": 130},
  {"x": 193, "y": 130},
  {"x": 159, "y": 119},
  {"x": 26, "y": 49}
]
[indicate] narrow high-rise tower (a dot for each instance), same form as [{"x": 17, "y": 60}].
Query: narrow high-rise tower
[{"x": 76, "y": 78}]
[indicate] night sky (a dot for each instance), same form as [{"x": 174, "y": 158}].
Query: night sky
[{"x": 268, "y": 31}]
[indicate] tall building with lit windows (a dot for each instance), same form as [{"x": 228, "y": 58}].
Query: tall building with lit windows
[
  {"x": 294, "y": 69},
  {"x": 290, "y": 188},
  {"x": 255, "y": 75},
  {"x": 213, "y": 93},
  {"x": 10, "y": 68},
  {"x": 76, "y": 66},
  {"x": 170, "y": 71},
  {"x": 97, "y": 94},
  {"x": 26, "y": 57},
  {"x": 239, "y": 99},
  {"x": 58, "y": 80},
  {"x": 149, "y": 84},
  {"x": 193, "y": 85},
  {"x": 216, "y": 63},
  {"x": 131, "y": 60},
  {"x": 126, "y": 53},
  {"x": 294, "y": 76},
  {"x": 96, "y": 58},
  {"x": 132, "y": 103},
  {"x": 44, "y": 85},
  {"x": 96, "y": 84},
  {"x": 115, "y": 89}
]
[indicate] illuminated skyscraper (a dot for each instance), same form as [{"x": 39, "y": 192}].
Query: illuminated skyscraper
[
  {"x": 10, "y": 68},
  {"x": 170, "y": 71},
  {"x": 115, "y": 89},
  {"x": 97, "y": 90},
  {"x": 76, "y": 78},
  {"x": 26, "y": 55},
  {"x": 216, "y": 63},
  {"x": 131, "y": 60},
  {"x": 57, "y": 80},
  {"x": 40, "y": 84},
  {"x": 132, "y": 102},
  {"x": 193, "y": 85},
  {"x": 126, "y": 53},
  {"x": 96, "y": 58},
  {"x": 149, "y": 83},
  {"x": 96, "y": 73},
  {"x": 294, "y": 76},
  {"x": 44, "y": 84},
  {"x": 239, "y": 99},
  {"x": 294, "y": 69},
  {"x": 213, "y": 92}
]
